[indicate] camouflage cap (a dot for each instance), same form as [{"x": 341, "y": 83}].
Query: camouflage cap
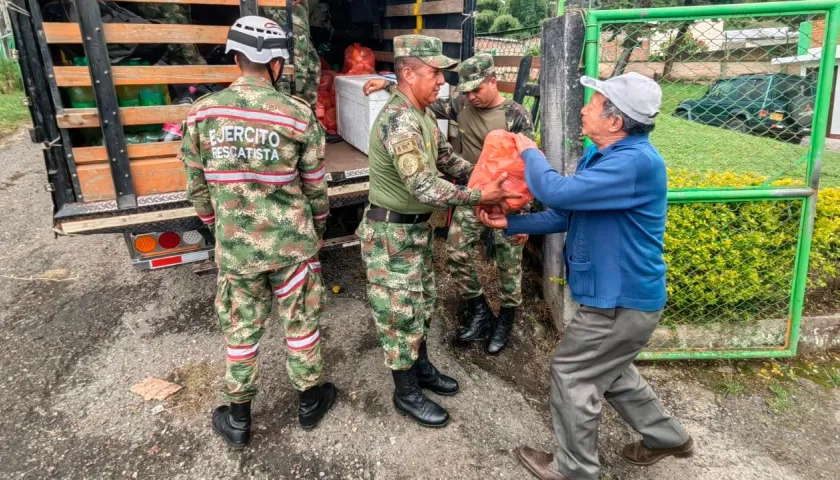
[
  {"x": 475, "y": 70},
  {"x": 428, "y": 50}
]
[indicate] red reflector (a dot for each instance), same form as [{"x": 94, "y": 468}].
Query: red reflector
[
  {"x": 762, "y": 114},
  {"x": 166, "y": 262},
  {"x": 169, "y": 240}
]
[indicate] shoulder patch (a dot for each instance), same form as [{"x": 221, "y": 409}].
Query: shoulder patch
[
  {"x": 409, "y": 164},
  {"x": 404, "y": 146}
]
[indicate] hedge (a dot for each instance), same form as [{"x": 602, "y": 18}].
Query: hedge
[{"x": 733, "y": 262}]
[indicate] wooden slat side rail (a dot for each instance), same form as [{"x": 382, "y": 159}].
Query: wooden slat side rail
[
  {"x": 426, "y": 8},
  {"x": 445, "y": 35},
  {"x": 387, "y": 57},
  {"x": 230, "y": 3},
  {"x": 140, "y": 33},
  {"x": 89, "y": 118},
  {"x": 91, "y": 155},
  {"x": 513, "y": 61},
  {"x": 178, "y": 74},
  {"x": 151, "y": 176}
]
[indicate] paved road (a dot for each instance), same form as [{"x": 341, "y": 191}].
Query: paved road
[{"x": 73, "y": 348}]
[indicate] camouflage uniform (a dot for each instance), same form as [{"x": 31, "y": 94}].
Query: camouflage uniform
[
  {"x": 178, "y": 54},
  {"x": 255, "y": 173},
  {"x": 466, "y": 230},
  {"x": 406, "y": 150},
  {"x": 306, "y": 61}
]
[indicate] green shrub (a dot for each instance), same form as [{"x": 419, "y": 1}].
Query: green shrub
[
  {"x": 484, "y": 20},
  {"x": 10, "y": 80},
  {"x": 733, "y": 262},
  {"x": 504, "y": 23}
]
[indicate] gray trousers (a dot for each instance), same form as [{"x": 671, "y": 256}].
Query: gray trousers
[{"x": 594, "y": 359}]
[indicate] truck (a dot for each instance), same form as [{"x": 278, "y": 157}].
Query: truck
[{"x": 103, "y": 181}]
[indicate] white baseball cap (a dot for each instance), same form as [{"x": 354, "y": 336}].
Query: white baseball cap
[{"x": 636, "y": 95}]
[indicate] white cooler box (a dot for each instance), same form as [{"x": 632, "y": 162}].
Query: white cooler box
[{"x": 357, "y": 112}]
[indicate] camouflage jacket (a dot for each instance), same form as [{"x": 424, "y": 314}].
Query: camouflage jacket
[
  {"x": 177, "y": 54},
  {"x": 255, "y": 173},
  {"x": 305, "y": 59},
  {"x": 406, "y": 150}
]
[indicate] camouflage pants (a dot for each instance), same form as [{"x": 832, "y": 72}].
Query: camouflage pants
[
  {"x": 243, "y": 303},
  {"x": 401, "y": 286},
  {"x": 464, "y": 234}
]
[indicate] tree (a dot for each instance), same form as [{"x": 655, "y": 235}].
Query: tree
[
  {"x": 529, "y": 12},
  {"x": 484, "y": 20},
  {"x": 505, "y": 23},
  {"x": 489, "y": 5}
]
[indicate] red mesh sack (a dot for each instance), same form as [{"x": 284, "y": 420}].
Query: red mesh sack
[
  {"x": 500, "y": 154},
  {"x": 327, "y": 79},
  {"x": 359, "y": 60},
  {"x": 331, "y": 121},
  {"x": 324, "y": 64}
]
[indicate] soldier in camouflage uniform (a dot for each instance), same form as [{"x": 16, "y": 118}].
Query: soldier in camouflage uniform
[
  {"x": 181, "y": 53},
  {"x": 255, "y": 173},
  {"x": 307, "y": 63},
  {"x": 406, "y": 151},
  {"x": 479, "y": 110}
]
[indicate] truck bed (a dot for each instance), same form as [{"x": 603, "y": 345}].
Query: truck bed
[{"x": 344, "y": 162}]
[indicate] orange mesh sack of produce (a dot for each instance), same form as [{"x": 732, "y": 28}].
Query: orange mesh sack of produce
[
  {"x": 359, "y": 60},
  {"x": 501, "y": 155},
  {"x": 325, "y": 104}
]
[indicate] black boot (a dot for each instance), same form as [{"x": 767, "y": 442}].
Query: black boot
[
  {"x": 479, "y": 322},
  {"x": 430, "y": 378},
  {"x": 501, "y": 334},
  {"x": 315, "y": 403},
  {"x": 233, "y": 423},
  {"x": 410, "y": 400}
]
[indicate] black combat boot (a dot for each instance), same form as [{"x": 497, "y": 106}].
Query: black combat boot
[
  {"x": 233, "y": 423},
  {"x": 430, "y": 378},
  {"x": 410, "y": 400},
  {"x": 315, "y": 403},
  {"x": 501, "y": 334},
  {"x": 479, "y": 321}
]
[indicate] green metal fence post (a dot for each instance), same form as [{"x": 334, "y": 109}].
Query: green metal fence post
[{"x": 825, "y": 85}]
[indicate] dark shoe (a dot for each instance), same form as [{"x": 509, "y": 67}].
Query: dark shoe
[
  {"x": 639, "y": 454},
  {"x": 410, "y": 400},
  {"x": 538, "y": 463},
  {"x": 430, "y": 378},
  {"x": 233, "y": 423},
  {"x": 315, "y": 403},
  {"x": 479, "y": 321},
  {"x": 501, "y": 334}
]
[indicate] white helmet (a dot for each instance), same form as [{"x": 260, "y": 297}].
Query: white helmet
[{"x": 259, "y": 39}]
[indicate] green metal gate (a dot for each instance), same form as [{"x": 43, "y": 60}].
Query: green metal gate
[{"x": 747, "y": 91}]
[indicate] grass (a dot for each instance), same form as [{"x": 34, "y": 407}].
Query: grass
[
  {"x": 780, "y": 400},
  {"x": 730, "y": 387},
  {"x": 692, "y": 146},
  {"x": 13, "y": 114}
]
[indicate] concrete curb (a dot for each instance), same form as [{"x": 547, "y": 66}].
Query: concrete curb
[{"x": 820, "y": 334}]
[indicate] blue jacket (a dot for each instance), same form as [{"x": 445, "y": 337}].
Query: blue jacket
[{"x": 614, "y": 209}]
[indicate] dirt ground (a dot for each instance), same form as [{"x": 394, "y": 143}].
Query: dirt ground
[{"x": 81, "y": 326}]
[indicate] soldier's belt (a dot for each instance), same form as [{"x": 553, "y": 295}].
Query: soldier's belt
[{"x": 379, "y": 214}]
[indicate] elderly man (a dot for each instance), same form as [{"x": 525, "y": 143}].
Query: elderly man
[
  {"x": 613, "y": 209},
  {"x": 479, "y": 110}
]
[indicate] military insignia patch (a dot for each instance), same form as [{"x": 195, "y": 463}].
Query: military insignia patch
[
  {"x": 409, "y": 164},
  {"x": 405, "y": 146}
]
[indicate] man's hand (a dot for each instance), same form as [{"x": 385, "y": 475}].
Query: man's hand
[
  {"x": 375, "y": 85},
  {"x": 523, "y": 143},
  {"x": 520, "y": 239},
  {"x": 493, "y": 193},
  {"x": 493, "y": 220}
]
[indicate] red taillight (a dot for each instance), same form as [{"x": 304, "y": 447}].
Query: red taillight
[
  {"x": 763, "y": 114},
  {"x": 809, "y": 108},
  {"x": 169, "y": 240}
]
